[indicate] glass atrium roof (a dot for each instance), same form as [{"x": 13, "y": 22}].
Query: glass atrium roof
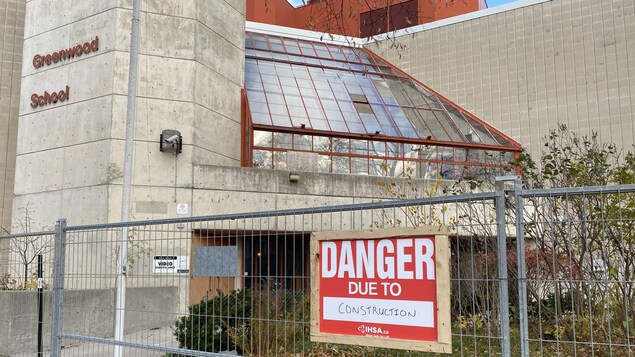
[{"x": 334, "y": 89}]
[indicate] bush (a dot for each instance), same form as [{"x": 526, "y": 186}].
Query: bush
[
  {"x": 7, "y": 283},
  {"x": 250, "y": 322},
  {"x": 211, "y": 325}
]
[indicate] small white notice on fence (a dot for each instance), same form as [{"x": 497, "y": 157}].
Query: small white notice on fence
[{"x": 171, "y": 264}]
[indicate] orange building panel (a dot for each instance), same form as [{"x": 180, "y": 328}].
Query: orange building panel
[{"x": 354, "y": 17}]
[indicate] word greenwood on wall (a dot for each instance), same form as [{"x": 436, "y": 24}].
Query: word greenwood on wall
[{"x": 66, "y": 54}]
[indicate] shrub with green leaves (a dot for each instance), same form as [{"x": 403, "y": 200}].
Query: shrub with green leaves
[{"x": 211, "y": 325}]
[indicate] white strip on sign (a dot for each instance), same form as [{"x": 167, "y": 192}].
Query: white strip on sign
[{"x": 393, "y": 312}]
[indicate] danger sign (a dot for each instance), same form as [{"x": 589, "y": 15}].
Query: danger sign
[{"x": 387, "y": 288}]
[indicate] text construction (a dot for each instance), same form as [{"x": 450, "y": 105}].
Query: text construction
[
  {"x": 40, "y": 60},
  {"x": 383, "y": 287}
]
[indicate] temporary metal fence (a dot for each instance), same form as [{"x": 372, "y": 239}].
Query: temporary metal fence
[
  {"x": 533, "y": 272},
  {"x": 26, "y": 277}
]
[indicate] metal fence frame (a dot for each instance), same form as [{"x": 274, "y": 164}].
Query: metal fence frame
[{"x": 506, "y": 188}]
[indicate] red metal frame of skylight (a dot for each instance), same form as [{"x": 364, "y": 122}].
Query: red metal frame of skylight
[
  {"x": 434, "y": 155},
  {"x": 372, "y": 61},
  {"x": 375, "y": 60}
]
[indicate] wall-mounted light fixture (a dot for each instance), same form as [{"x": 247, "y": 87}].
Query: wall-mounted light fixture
[
  {"x": 171, "y": 141},
  {"x": 294, "y": 177}
]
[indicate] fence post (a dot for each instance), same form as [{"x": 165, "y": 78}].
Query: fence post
[
  {"x": 58, "y": 286},
  {"x": 503, "y": 290},
  {"x": 522, "y": 273},
  {"x": 40, "y": 306}
]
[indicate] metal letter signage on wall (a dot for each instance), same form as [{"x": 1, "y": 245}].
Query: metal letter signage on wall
[
  {"x": 41, "y": 60},
  {"x": 385, "y": 288}
]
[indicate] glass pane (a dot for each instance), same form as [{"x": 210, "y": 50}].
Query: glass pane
[
  {"x": 394, "y": 168},
  {"x": 359, "y": 166},
  {"x": 412, "y": 151},
  {"x": 446, "y": 154},
  {"x": 437, "y": 131},
  {"x": 280, "y": 160},
  {"x": 394, "y": 149},
  {"x": 334, "y": 115},
  {"x": 313, "y": 61},
  {"x": 330, "y": 105},
  {"x": 263, "y": 138},
  {"x": 356, "y": 128},
  {"x": 414, "y": 95},
  {"x": 475, "y": 156},
  {"x": 346, "y": 106},
  {"x": 321, "y": 144},
  {"x": 262, "y": 54},
  {"x": 336, "y": 52},
  {"x": 259, "y": 41},
  {"x": 281, "y": 120},
  {"x": 263, "y": 159},
  {"x": 278, "y": 109},
  {"x": 253, "y": 82},
  {"x": 296, "y": 59},
  {"x": 431, "y": 171},
  {"x": 294, "y": 100},
  {"x": 256, "y": 96},
  {"x": 430, "y": 152},
  {"x": 413, "y": 169},
  {"x": 292, "y": 46},
  {"x": 421, "y": 130},
  {"x": 398, "y": 92},
  {"x": 282, "y": 141},
  {"x": 319, "y": 124},
  {"x": 300, "y": 71},
  {"x": 376, "y": 148},
  {"x": 378, "y": 167},
  {"x": 258, "y": 107},
  {"x": 272, "y": 88},
  {"x": 338, "y": 126},
  {"x": 341, "y": 164},
  {"x": 449, "y": 171},
  {"x": 261, "y": 118},
  {"x": 338, "y": 99},
  {"x": 291, "y": 90},
  {"x": 359, "y": 147},
  {"x": 275, "y": 43},
  {"x": 297, "y": 112},
  {"x": 460, "y": 155},
  {"x": 326, "y": 94},
  {"x": 275, "y": 99},
  {"x": 284, "y": 70},
  {"x": 341, "y": 145},
  {"x": 483, "y": 132},
  {"x": 371, "y": 124},
  {"x": 363, "y": 108},
  {"x": 280, "y": 56},
  {"x": 302, "y": 142}
]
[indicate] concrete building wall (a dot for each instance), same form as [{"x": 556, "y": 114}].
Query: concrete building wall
[
  {"x": 525, "y": 70},
  {"x": 11, "y": 35},
  {"x": 70, "y": 154}
]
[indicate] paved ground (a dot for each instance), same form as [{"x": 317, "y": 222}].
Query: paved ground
[{"x": 162, "y": 336}]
